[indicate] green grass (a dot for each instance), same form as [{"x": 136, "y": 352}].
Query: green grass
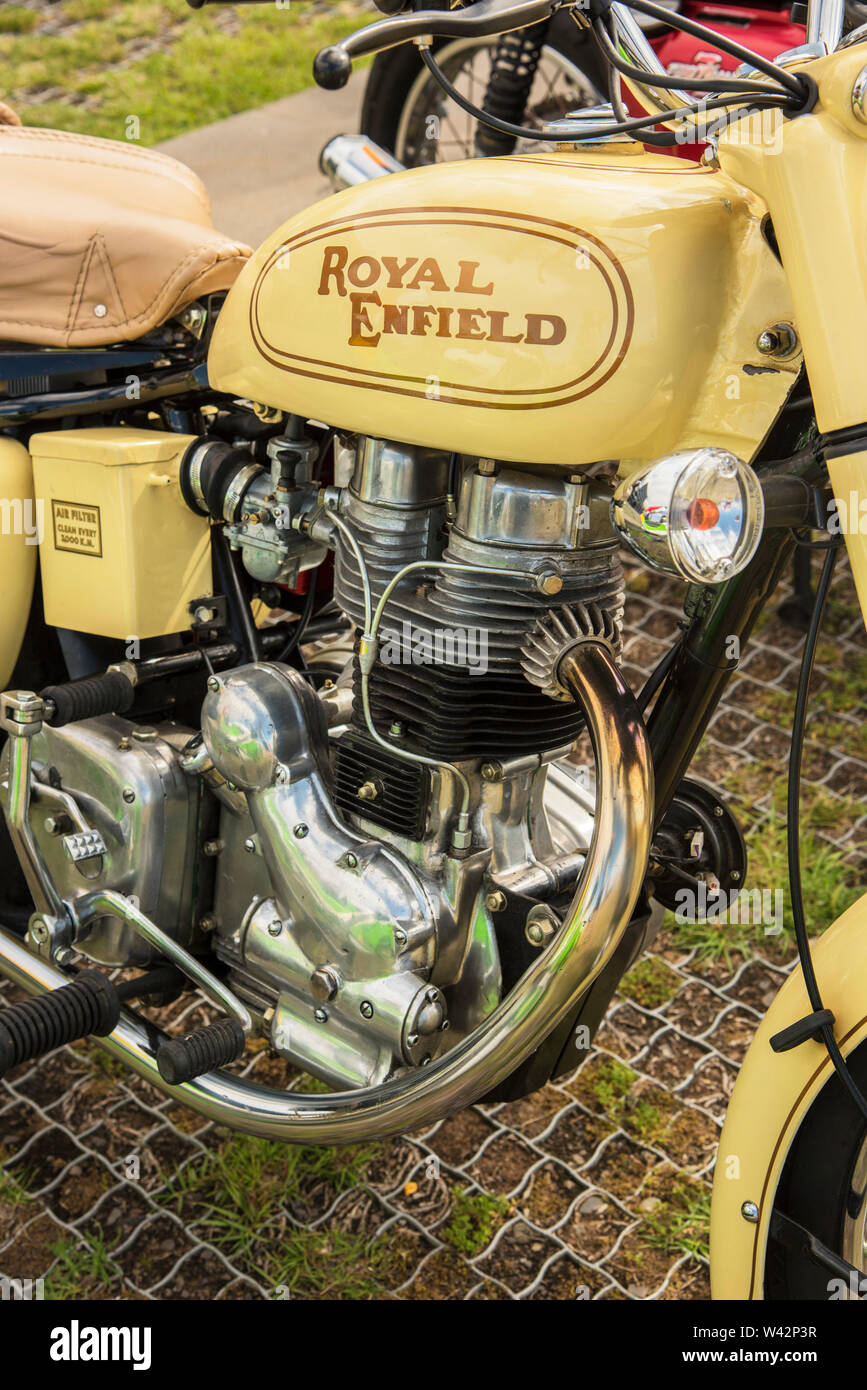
[
  {"x": 612, "y": 1081},
  {"x": 651, "y": 982},
  {"x": 80, "y": 1270},
  {"x": 157, "y": 61},
  {"x": 13, "y": 1186},
  {"x": 682, "y": 1225},
  {"x": 473, "y": 1222},
  {"x": 240, "y": 1194}
]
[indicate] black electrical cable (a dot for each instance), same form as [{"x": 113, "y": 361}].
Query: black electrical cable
[
  {"x": 675, "y": 84},
  {"x": 735, "y": 50},
  {"x": 664, "y": 139},
  {"x": 760, "y": 97},
  {"x": 303, "y": 620},
  {"x": 833, "y": 544},
  {"x": 793, "y": 831},
  {"x": 658, "y": 675}
]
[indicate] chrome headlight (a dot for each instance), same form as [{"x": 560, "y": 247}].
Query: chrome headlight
[{"x": 698, "y": 514}]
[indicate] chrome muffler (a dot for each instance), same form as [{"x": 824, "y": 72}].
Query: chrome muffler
[{"x": 600, "y": 911}]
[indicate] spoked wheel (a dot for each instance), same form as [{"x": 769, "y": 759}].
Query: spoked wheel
[
  {"x": 824, "y": 1190},
  {"x": 407, "y": 112}
]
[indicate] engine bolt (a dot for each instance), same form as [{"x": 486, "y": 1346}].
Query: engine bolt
[
  {"x": 496, "y": 901},
  {"x": 321, "y": 1015},
  {"x": 718, "y": 811},
  {"x": 124, "y": 745},
  {"x": 39, "y": 930},
  {"x": 211, "y": 848},
  {"x": 250, "y": 846},
  {"x": 324, "y": 983},
  {"x": 300, "y": 831},
  {"x": 128, "y": 794},
  {"x": 412, "y": 1039},
  {"x": 541, "y": 925},
  {"x": 213, "y": 684},
  {"x": 491, "y": 772},
  {"x": 350, "y": 860},
  {"x": 58, "y": 825},
  {"x": 750, "y": 1212},
  {"x": 64, "y": 955},
  {"x": 400, "y": 936},
  {"x": 549, "y": 582},
  {"x": 275, "y": 927},
  {"x": 208, "y": 923},
  {"x": 735, "y": 876},
  {"x": 366, "y": 1008},
  {"x": 487, "y": 467},
  {"x": 780, "y": 340},
  {"x": 368, "y": 791},
  {"x": 396, "y": 729},
  {"x": 445, "y": 1026}
]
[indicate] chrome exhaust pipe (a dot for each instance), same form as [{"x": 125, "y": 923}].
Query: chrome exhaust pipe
[
  {"x": 348, "y": 160},
  {"x": 597, "y": 918}
]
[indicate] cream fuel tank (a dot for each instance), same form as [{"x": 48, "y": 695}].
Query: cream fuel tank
[{"x": 619, "y": 318}]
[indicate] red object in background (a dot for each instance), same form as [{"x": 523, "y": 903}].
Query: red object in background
[{"x": 766, "y": 29}]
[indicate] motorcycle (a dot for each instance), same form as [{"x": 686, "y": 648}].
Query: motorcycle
[{"x": 421, "y": 419}]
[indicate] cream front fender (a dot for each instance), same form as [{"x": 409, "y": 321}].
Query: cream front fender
[{"x": 773, "y": 1093}]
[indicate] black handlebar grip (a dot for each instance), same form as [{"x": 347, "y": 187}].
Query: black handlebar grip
[
  {"x": 36, "y": 1026},
  {"x": 332, "y": 68},
  {"x": 182, "y": 1059},
  {"x": 110, "y": 693}
]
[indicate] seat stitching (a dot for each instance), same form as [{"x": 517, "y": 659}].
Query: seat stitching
[
  {"x": 193, "y": 184},
  {"x": 107, "y": 266},
  {"x": 236, "y": 254},
  {"x": 78, "y": 287}
]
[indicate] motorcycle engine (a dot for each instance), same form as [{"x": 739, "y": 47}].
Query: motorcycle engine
[{"x": 315, "y": 856}]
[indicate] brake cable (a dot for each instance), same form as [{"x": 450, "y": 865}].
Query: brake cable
[
  {"x": 819, "y": 1024},
  {"x": 635, "y": 123}
]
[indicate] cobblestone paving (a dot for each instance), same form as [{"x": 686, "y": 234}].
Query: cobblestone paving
[{"x": 595, "y": 1187}]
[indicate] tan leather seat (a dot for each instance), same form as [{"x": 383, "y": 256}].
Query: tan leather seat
[{"x": 101, "y": 241}]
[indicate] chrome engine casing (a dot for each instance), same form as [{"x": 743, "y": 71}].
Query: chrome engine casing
[
  {"x": 355, "y": 953},
  {"x": 126, "y": 782}
]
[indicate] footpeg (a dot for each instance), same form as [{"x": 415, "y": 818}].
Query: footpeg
[
  {"x": 183, "y": 1059},
  {"x": 90, "y": 1005},
  {"x": 84, "y": 845}
]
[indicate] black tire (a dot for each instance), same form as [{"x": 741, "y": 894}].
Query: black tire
[
  {"x": 815, "y": 1186},
  {"x": 394, "y": 72}
]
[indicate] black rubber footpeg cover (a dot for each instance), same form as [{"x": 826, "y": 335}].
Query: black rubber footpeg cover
[
  {"x": 182, "y": 1059},
  {"x": 90, "y": 1005},
  {"x": 109, "y": 693}
]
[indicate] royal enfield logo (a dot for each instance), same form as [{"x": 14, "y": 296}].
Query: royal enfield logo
[
  {"x": 373, "y": 315},
  {"x": 478, "y": 307}
]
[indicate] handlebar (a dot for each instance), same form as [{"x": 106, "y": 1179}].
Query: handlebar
[{"x": 332, "y": 67}]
